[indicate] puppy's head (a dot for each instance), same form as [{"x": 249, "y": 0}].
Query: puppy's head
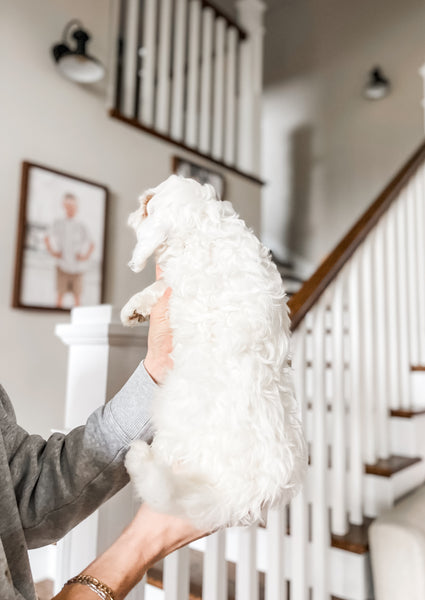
[{"x": 165, "y": 211}]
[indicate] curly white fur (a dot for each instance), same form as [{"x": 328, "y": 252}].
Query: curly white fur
[{"x": 228, "y": 442}]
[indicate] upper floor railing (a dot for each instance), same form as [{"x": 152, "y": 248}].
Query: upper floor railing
[{"x": 187, "y": 73}]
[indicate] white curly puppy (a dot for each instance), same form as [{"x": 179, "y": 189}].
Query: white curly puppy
[{"x": 228, "y": 441}]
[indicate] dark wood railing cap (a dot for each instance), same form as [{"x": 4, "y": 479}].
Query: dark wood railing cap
[
  {"x": 301, "y": 302},
  {"x": 230, "y": 22}
]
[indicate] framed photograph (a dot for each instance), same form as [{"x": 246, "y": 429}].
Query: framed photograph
[
  {"x": 60, "y": 256},
  {"x": 184, "y": 167}
]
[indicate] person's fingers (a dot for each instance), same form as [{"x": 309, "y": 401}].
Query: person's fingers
[{"x": 158, "y": 272}]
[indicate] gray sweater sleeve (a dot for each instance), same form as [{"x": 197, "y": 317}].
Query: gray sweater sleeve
[{"x": 61, "y": 481}]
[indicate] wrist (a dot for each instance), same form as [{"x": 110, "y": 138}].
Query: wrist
[{"x": 154, "y": 368}]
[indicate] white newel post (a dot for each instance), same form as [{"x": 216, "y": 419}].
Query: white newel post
[
  {"x": 250, "y": 17},
  {"x": 102, "y": 356}
]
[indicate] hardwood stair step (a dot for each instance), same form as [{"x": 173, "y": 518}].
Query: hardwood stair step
[
  {"x": 390, "y": 466},
  {"x": 417, "y": 367},
  {"x": 356, "y": 540},
  {"x": 155, "y": 577},
  {"x": 406, "y": 414}
]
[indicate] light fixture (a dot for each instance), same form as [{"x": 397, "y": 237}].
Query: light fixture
[
  {"x": 75, "y": 63},
  {"x": 378, "y": 86}
]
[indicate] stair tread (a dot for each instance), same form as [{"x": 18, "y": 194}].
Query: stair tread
[
  {"x": 356, "y": 540},
  {"x": 407, "y": 414},
  {"x": 417, "y": 367},
  {"x": 386, "y": 467}
]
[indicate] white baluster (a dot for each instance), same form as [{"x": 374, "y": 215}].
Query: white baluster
[
  {"x": 246, "y": 567},
  {"x": 214, "y": 580},
  {"x": 163, "y": 100},
  {"x": 176, "y": 575},
  {"x": 147, "y": 76},
  {"x": 131, "y": 48},
  {"x": 230, "y": 123},
  {"x": 275, "y": 576},
  {"x": 420, "y": 264},
  {"x": 114, "y": 33},
  {"x": 381, "y": 360},
  {"x": 402, "y": 292},
  {"x": 320, "y": 526},
  {"x": 250, "y": 13},
  {"x": 338, "y": 442},
  {"x": 298, "y": 512},
  {"x": 217, "y": 142},
  {"x": 206, "y": 83},
  {"x": 422, "y": 74},
  {"x": 355, "y": 487},
  {"x": 178, "y": 69},
  {"x": 393, "y": 312},
  {"x": 368, "y": 353},
  {"x": 193, "y": 73},
  {"x": 412, "y": 283}
]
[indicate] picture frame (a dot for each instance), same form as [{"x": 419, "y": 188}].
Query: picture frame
[
  {"x": 187, "y": 168},
  {"x": 61, "y": 240}
]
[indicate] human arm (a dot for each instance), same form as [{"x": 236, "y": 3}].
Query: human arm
[
  {"x": 148, "y": 538},
  {"x": 87, "y": 254},
  {"x": 50, "y": 249},
  {"x": 60, "y": 481}
]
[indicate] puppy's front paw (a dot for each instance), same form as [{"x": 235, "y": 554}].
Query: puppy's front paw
[{"x": 132, "y": 315}]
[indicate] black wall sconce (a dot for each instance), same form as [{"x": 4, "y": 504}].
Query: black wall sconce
[
  {"x": 74, "y": 62},
  {"x": 377, "y": 86}
]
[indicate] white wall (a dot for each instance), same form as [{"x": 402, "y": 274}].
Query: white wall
[
  {"x": 47, "y": 119},
  {"x": 327, "y": 152}
]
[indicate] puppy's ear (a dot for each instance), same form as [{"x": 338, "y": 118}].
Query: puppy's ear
[{"x": 135, "y": 218}]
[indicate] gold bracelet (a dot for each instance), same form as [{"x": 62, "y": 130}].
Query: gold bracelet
[{"x": 101, "y": 589}]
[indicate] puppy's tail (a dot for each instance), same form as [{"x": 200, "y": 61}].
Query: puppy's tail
[{"x": 174, "y": 492}]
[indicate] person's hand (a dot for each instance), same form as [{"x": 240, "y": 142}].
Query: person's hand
[
  {"x": 148, "y": 538},
  {"x": 160, "y": 340}
]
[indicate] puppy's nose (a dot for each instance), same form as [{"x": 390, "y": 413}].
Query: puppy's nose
[{"x": 134, "y": 266}]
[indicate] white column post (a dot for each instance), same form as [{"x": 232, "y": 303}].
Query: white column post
[
  {"x": 147, "y": 76},
  {"x": 250, "y": 17},
  {"x": 102, "y": 356},
  {"x": 246, "y": 566},
  {"x": 113, "y": 53},
  {"x": 163, "y": 98},
  {"x": 214, "y": 579},
  {"x": 130, "y": 57},
  {"x": 206, "y": 80},
  {"x": 176, "y": 575},
  {"x": 422, "y": 74},
  {"x": 192, "y": 108},
  {"x": 219, "y": 75},
  {"x": 179, "y": 52}
]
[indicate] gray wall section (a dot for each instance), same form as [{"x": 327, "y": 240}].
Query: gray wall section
[{"x": 327, "y": 152}]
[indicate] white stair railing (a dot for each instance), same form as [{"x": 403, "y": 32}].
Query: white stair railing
[
  {"x": 352, "y": 354},
  {"x": 185, "y": 71}
]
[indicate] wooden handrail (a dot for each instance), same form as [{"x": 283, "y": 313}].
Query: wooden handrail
[{"x": 301, "y": 302}]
